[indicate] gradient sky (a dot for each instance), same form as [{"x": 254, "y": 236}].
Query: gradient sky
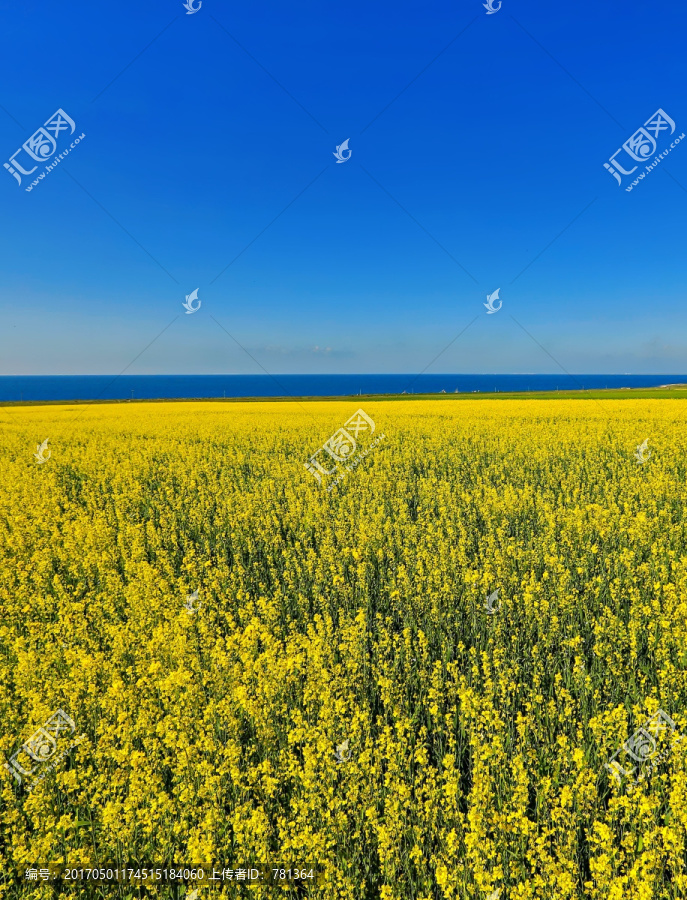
[{"x": 478, "y": 144}]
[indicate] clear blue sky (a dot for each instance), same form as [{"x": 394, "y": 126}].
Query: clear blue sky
[{"x": 211, "y": 152}]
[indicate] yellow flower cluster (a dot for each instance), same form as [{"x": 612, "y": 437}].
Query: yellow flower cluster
[{"x": 338, "y": 695}]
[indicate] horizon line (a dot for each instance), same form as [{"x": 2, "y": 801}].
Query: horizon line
[{"x": 340, "y": 374}]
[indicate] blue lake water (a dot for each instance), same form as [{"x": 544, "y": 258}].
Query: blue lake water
[{"x": 154, "y": 387}]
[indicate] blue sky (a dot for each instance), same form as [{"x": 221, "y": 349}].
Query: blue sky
[{"x": 478, "y": 144}]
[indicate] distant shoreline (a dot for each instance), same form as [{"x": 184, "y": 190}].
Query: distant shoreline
[
  {"x": 82, "y": 389},
  {"x": 668, "y": 392}
]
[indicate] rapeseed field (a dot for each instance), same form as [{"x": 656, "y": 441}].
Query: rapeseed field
[{"x": 261, "y": 670}]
